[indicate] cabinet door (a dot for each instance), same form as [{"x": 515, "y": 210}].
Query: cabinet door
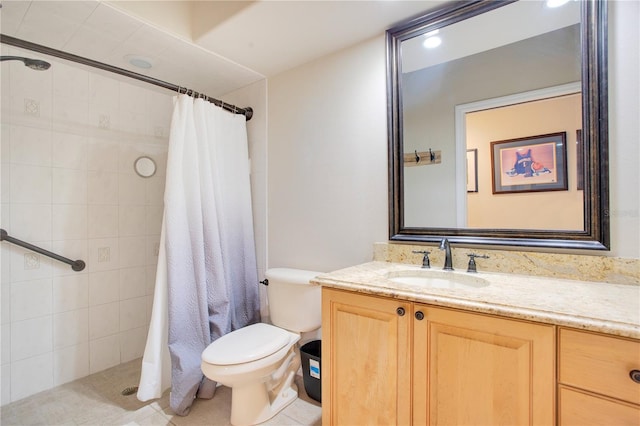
[
  {"x": 366, "y": 354},
  {"x": 472, "y": 369}
]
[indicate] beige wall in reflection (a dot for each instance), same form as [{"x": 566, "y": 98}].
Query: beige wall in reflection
[{"x": 559, "y": 210}]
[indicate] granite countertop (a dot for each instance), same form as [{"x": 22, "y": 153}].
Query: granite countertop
[{"x": 593, "y": 306}]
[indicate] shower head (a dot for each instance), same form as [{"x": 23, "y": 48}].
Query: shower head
[{"x": 34, "y": 64}]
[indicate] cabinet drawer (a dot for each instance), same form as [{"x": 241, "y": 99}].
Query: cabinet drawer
[
  {"x": 580, "y": 409},
  {"x": 599, "y": 364}
]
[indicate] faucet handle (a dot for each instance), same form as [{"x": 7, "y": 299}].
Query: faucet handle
[
  {"x": 472, "y": 261},
  {"x": 425, "y": 259}
]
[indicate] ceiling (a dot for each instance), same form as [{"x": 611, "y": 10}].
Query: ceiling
[{"x": 213, "y": 47}]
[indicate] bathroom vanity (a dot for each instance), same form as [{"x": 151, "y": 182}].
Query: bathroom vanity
[{"x": 405, "y": 345}]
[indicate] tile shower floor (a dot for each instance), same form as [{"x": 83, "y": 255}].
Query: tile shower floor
[{"x": 97, "y": 400}]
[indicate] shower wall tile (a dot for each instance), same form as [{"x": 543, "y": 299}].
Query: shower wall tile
[
  {"x": 151, "y": 279},
  {"x": 104, "y": 287},
  {"x": 69, "y": 186},
  {"x": 102, "y": 221},
  {"x": 69, "y": 221},
  {"x": 103, "y": 103},
  {"x": 5, "y": 354},
  {"x": 31, "y": 337},
  {"x": 31, "y": 299},
  {"x": 70, "y": 363},
  {"x": 73, "y": 249},
  {"x": 132, "y": 343},
  {"x": 70, "y": 328},
  {"x": 153, "y": 247},
  {"x": 104, "y": 353},
  {"x": 103, "y": 254},
  {"x": 70, "y": 82},
  {"x": 30, "y": 184},
  {"x": 69, "y": 138},
  {"x": 104, "y": 320},
  {"x": 132, "y": 251},
  {"x": 5, "y": 188},
  {"x": 30, "y": 145},
  {"x": 32, "y": 375},
  {"x": 6, "y": 305},
  {"x": 102, "y": 187},
  {"x": 70, "y": 114},
  {"x": 27, "y": 265},
  {"x": 131, "y": 189},
  {"x": 133, "y": 282},
  {"x": 154, "y": 191},
  {"x": 69, "y": 151},
  {"x": 153, "y": 219},
  {"x": 31, "y": 222},
  {"x": 127, "y": 155},
  {"x": 133, "y": 313},
  {"x": 132, "y": 220},
  {"x": 102, "y": 154},
  {"x": 70, "y": 292},
  {"x": 5, "y": 376}
]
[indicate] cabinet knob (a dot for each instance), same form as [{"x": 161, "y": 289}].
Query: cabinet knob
[
  {"x": 400, "y": 311},
  {"x": 635, "y": 375},
  {"x": 419, "y": 315}
]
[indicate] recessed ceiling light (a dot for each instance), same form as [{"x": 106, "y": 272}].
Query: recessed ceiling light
[
  {"x": 139, "y": 61},
  {"x": 556, "y": 3},
  {"x": 431, "y": 42}
]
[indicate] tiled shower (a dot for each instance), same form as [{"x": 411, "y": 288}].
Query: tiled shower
[{"x": 70, "y": 136}]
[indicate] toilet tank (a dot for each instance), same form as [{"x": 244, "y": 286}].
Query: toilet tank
[{"x": 294, "y": 303}]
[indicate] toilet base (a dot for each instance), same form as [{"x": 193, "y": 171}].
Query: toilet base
[{"x": 253, "y": 403}]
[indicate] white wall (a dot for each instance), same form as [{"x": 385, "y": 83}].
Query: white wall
[
  {"x": 69, "y": 140},
  {"x": 327, "y": 161},
  {"x": 327, "y": 153},
  {"x": 624, "y": 127},
  {"x": 255, "y": 96}
]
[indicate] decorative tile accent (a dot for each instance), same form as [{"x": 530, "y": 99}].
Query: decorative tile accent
[
  {"x": 31, "y": 261},
  {"x": 32, "y": 107},
  {"x": 158, "y": 132},
  {"x": 104, "y": 122},
  {"x": 104, "y": 254}
]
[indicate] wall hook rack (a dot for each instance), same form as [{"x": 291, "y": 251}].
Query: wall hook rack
[{"x": 423, "y": 158}]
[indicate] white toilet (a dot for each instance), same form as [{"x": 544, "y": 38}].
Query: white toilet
[{"x": 258, "y": 362}]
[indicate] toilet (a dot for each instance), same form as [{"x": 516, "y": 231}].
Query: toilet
[{"x": 259, "y": 362}]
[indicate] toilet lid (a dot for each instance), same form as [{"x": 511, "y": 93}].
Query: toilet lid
[{"x": 246, "y": 344}]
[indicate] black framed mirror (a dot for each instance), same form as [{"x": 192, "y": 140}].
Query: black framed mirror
[{"x": 500, "y": 137}]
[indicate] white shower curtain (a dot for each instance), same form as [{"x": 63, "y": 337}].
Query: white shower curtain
[{"x": 206, "y": 281}]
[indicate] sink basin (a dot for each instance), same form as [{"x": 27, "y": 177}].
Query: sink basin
[{"x": 437, "y": 279}]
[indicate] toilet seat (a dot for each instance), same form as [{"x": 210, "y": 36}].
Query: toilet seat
[{"x": 246, "y": 344}]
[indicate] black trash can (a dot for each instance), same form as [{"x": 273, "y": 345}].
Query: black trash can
[{"x": 310, "y": 354}]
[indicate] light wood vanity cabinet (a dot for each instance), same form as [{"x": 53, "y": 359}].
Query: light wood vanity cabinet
[
  {"x": 596, "y": 386},
  {"x": 366, "y": 360},
  {"x": 386, "y": 362}
]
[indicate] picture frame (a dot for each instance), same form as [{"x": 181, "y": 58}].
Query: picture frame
[
  {"x": 530, "y": 164},
  {"x": 581, "y": 156},
  {"x": 472, "y": 170}
]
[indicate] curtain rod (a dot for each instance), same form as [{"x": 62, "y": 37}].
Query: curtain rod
[{"x": 247, "y": 111}]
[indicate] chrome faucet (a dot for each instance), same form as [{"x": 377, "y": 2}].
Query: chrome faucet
[{"x": 448, "y": 261}]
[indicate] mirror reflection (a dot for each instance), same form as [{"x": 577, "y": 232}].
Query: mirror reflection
[
  {"x": 537, "y": 48},
  {"x": 488, "y": 115}
]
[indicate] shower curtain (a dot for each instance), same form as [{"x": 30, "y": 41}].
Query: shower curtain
[{"x": 206, "y": 280}]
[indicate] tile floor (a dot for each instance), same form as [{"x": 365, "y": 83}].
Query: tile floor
[{"x": 97, "y": 400}]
